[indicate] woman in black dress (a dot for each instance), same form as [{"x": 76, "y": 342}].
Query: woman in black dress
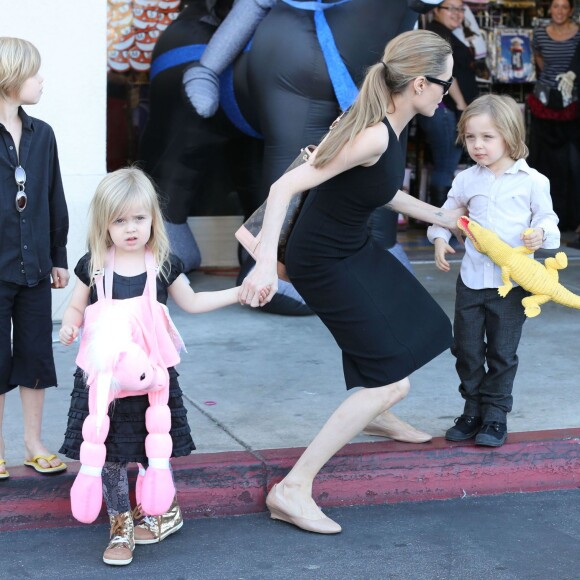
[{"x": 384, "y": 321}]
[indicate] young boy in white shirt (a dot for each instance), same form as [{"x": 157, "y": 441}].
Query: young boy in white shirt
[{"x": 502, "y": 193}]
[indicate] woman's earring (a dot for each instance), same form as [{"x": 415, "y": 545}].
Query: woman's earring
[{"x": 417, "y": 92}]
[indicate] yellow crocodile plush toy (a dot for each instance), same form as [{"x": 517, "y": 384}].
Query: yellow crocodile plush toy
[{"x": 540, "y": 280}]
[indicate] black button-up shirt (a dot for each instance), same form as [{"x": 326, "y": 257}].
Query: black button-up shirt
[{"x": 34, "y": 241}]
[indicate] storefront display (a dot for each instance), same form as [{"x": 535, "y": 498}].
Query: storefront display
[
  {"x": 510, "y": 57},
  {"x": 133, "y": 29}
]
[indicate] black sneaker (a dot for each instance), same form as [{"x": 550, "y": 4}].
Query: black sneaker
[
  {"x": 492, "y": 434},
  {"x": 465, "y": 428}
]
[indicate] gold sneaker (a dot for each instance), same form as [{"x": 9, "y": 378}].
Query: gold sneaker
[
  {"x": 119, "y": 552},
  {"x": 152, "y": 529}
]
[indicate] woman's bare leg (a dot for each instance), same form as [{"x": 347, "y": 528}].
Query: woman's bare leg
[{"x": 351, "y": 417}]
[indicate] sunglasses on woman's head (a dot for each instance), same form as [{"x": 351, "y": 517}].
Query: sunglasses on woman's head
[
  {"x": 21, "y": 199},
  {"x": 445, "y": 84}
]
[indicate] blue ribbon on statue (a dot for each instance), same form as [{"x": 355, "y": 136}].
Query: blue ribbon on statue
[
  {"x": 175, "y": 57},
  {"x": 192, "y": 53},
  {"x": 344, "y": 87},
  {"x": 229, "y": 103}
]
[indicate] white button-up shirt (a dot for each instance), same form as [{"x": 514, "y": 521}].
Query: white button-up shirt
[{"x": 509, "y": 204}]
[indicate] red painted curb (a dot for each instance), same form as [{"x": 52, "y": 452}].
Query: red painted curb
[{"x": 235, "y": 483}]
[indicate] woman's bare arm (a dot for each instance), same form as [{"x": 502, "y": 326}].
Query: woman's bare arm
[
  {"x": 415, "y": 208},
  {"x": 365, "y": 150}
]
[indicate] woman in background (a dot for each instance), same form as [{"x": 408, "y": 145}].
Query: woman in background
[
  {"x": 441, "y": 129},
  {"x": 555, "y": 128}
]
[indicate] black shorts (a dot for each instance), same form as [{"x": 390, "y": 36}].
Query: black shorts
[{"x": 26, "y": 359}]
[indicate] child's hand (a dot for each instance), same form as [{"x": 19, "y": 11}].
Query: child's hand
[
  {"x": 442, "y": 248},
  {"x": 532, "y": 238},
  {"x": 264, "y": 293},
  {"x": 60, "y": 277},
  {"x": 262, "y": 296},
  {"x": 67, "y": 334},
  {"x": 259, "y": 286}
]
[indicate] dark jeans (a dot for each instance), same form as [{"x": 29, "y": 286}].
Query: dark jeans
[
  {"x": 487, "y": 329},
  {"x": 440, "y": 133},
  {"x": 555, "y": 152}
]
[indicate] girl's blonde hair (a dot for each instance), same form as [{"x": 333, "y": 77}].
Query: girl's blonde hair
[
  {"x": 19, "y": 61},
  {"x": 507, "y": 118},
  {"x": 116, "y": 194},
  {"x": 406, "y": 57}
]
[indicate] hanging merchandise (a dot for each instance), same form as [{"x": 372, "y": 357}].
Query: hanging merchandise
[
  {"x": 475, "y": 38},
  {"x": 133, "y": 29},
  {"x": 471, "y": 34},
  {"x": 511, "y": 58},
  {"x": 516, "y": 3}
]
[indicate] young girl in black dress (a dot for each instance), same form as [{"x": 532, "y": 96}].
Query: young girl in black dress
[
  {"x": 384, "y": 321},
  {"x": 125, "y": 216}
]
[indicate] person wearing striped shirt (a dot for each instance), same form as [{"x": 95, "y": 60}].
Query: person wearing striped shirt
[{"x": 555, "y": 123}]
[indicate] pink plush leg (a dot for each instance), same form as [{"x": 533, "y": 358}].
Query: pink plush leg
[
  {"x": 158, "y": 489},
  {"x": 139, "y": 483},
  {"x": 86, "y": 493}
]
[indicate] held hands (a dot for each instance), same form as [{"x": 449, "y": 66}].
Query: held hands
[
  {"x": 67, "y": 334},
  {"x": 259, "y": 287},
  {"x": 60, "y": 277},
  {"x": 202, "y": 87},
  {"x": 532, "y": 238},
  {"x": 441, "y": 249}
]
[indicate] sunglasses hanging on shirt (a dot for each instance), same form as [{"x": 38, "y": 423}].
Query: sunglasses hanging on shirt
[{"x": 21, "y": 199}]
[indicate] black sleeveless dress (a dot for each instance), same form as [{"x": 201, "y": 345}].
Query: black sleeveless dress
[
  {"x": 384, "y": 321},
  {"x": 127, "y": 432}
]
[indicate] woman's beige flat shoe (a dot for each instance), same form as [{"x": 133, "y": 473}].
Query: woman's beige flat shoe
[
  {"x": 279, "y": 511},
  {"x": 398, "y": 430}
]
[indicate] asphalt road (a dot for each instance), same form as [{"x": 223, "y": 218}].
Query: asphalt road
[{"x": 534, "y": 536}]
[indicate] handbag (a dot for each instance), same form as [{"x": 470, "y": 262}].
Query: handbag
[{"x": 249, "y": 233}]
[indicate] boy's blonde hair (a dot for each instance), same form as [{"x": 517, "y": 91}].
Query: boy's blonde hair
[
  {"x": 406, "y": 57},
  {"x": 507, "y": 117},
  {"x": 116, "y": 194},
  {"x": 19, "y": 61}
]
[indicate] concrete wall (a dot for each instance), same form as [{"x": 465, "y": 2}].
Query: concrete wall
[{"x": 71, "y": 36}]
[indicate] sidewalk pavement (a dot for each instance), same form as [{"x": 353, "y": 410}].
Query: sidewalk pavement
[{"x": 258, "y": 387}]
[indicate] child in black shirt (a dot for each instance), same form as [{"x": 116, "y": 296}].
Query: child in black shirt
[{"x": 33, "y": 235}]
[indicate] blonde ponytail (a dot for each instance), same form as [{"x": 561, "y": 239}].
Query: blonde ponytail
[{"x": 407, "y": 56}]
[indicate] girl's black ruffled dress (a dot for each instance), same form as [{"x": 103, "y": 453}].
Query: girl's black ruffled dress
[{"x": 127, "y": 432}]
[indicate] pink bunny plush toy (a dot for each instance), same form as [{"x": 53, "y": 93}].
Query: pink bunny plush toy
[{"x": 125, "y": 350}]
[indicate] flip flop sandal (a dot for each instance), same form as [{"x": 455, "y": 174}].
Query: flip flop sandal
[
  {"x": 4, "y": 474},
  {"x": 48, "y": 458}
]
